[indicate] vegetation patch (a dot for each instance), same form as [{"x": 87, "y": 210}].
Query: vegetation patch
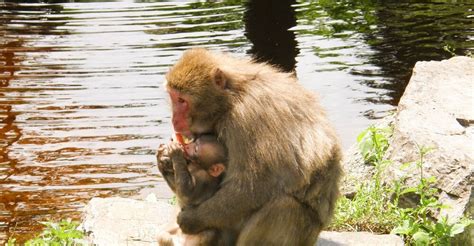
[
  {"x": 62, "y": 233},
  {"x": 375, "y": 207}
]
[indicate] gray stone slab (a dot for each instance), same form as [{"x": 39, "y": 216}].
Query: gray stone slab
[
  {"x": 122, "y": 221},
  {"x": 329, "y": 238}
]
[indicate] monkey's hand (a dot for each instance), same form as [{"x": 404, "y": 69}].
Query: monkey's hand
[
  {"x": 188, "y": 222},
  {"x": 165, "y": 165},
  {"x": 230, "y": 207},
  {"x": 177, "y": 156},
  {"x": 163, "y": 159}
]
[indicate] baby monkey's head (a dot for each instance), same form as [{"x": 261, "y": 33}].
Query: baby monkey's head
[{"x": 208, "y": 152}]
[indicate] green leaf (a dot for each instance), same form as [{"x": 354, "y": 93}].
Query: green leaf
[
  {"x": 11, "y": 242},
  {"x": 421, "y": 238},
  {"x": 440, "y": 228},
  {"x": 456, "y": 229},
  {"x": 362, "y": 135},
  {"x": 399, "y": 230},
  {"x": 431, "y": 179},
  {"x": 405, "y": 165},
  {"x": 365, "y": 147},
  {"x": 404, "y": 229},
  {"x": 408, "y": 190}
]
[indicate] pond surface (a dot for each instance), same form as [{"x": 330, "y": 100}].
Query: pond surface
[{"x": 82, "y": 107}]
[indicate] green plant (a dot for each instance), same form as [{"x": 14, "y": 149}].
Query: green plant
[
  {"x": 418, "y": 227},
  {"x": 375, "y": 205},
  {"x": 373, "y": 142},
  {"x": 371, "y": 208},
  {"x": 62, "y": 233},
  {"x": 173, "y": 200},
  {"x": 11, "y": 242},
  {"x": 450, "y": 49}
]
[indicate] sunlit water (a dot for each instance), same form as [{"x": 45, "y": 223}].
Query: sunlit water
[{"x": 82, "y": 107}]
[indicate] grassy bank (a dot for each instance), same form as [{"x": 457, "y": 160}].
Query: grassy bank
[
  {"x": 63, "y": 233},
  {"x": 375, "y": 206}
]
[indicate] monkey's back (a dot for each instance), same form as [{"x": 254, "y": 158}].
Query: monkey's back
[{"x": 280, "y": 127}]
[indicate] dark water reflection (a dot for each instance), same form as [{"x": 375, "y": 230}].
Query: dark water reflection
[
  {"x": 82, "y": 108},
  {"x": 268, "y": 28}
]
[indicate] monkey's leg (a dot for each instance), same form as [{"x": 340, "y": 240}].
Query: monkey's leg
[
  {"x": 283, "y": 221},
  {"x": 165, "y": 238},
  {"x": 171, "y": 236}
]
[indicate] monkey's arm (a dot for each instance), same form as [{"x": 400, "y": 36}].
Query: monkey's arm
[
  {"x": 184, "y": 181},
  {"x": 166, "y": 166},
  {"x": 229, "y": 206}
]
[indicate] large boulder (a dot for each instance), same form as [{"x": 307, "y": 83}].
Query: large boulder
[{"x": 436, "y": 111}]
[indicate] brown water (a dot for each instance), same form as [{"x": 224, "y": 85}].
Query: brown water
[{"x": 82, "y": 108}]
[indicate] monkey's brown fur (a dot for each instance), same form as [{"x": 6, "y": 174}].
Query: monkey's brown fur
[
  {"x": 284, "y": 157},
  {"x": 192, "y": 184}
]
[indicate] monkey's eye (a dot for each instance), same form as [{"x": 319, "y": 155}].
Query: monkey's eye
[
  {"x": 194, "y": 153},
  {"x": 181, "y": 100}
]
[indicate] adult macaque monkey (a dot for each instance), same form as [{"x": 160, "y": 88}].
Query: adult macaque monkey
[{"x": 283, "y": 166}]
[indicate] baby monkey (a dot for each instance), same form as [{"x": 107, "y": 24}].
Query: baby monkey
[{"x": 198, "y": 171}]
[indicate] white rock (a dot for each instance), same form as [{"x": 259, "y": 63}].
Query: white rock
[
  {"x": 121, "y": 221},
  {"x": 330, "y": 238},
  {"x": 435, "y": 111}
]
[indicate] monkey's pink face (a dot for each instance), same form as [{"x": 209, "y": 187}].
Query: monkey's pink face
[{"x": 180, "y": 108}]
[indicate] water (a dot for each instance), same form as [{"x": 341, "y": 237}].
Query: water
[{"x": 82, "y": 107}]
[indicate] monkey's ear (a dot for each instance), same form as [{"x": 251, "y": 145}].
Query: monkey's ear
[{"x": 220, "y": 79}]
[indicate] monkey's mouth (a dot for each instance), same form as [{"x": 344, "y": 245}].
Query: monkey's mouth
[{"x": 183, "y": 139}]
